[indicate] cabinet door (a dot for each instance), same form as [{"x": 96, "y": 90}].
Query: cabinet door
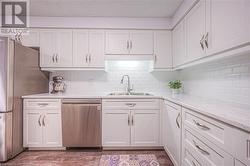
[
  {"x": 179, "y": 53},
  {"x": 173, "y": 130},
  {"x": 242, "y": 141},
  {"x": 96, "y": 49},
  {"x": 64, "y": 48},
  {"x": 31, "y": 39},
  {"x": 228, "y": 24},
  {"x": 33, "y": 129},
  {"x": 116, "y": 128},
  {"x": 48, "y": 48},
  {"x": 117, "y": 42},
  {"x": 195, "y": 25},
  {"x": 141, "y": 42},
  {"x": 80, "y": 48},
  {"x": 52, "y": 133},
  {"x": 163, "y": 49},
  {"x": 145, "y": 128}
]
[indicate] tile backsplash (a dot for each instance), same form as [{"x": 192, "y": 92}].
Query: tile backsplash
[
  {"x": 103, "y": 83},
  {"x": 226, "y": 79}
]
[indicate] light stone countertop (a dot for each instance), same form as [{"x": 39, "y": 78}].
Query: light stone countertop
[{"x": 235, "y": 115}]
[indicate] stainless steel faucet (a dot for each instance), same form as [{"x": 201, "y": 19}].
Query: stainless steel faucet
[{"x": 129, "y": 89}]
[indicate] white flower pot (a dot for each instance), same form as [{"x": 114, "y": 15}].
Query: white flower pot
[{"x": 175, "y": 92}]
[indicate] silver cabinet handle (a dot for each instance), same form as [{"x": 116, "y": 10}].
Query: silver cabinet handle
[
  {"x": 176, "y": 120},
  {"x": 57, "y": 57},
  {"x": 131, "y": 45},
  {"x": 86, "y": 58},
  {"x": 89, "y": 58},
  {"x": 132, "y": 120},
  {"x": 131, "y": 104},
  {"x": 155, "y": 58},
  {"x": 44, "y": 120},
  {"x": 127, "y": 45},
  {"x": 248, "y": 148},
  {"x": 206, "y": 40},
  {"x": 204, "y": 127},
  {"x": 43, "y": 104},
  {"x": 129, "y": 119},
  {"x": 39, "y": 120},
  {"x": 53, "y": 58},
  {"x": 200, "y": 149},
  {"x": 201, "y": 42}
]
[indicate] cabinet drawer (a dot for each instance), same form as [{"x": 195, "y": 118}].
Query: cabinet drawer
[
  {"x": 207, "y": 152},
  {"x": 42, "y": 104},
  {"x": 190, "y": 160},
  {"x": 217, "y": 132},
  {"x": 145, "y": 104}
]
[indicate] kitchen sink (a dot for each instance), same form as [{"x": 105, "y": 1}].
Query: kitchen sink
[{"x": 129, "y": 94}]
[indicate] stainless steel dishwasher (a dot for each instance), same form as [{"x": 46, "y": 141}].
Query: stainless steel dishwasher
[{"x": 81, "y": 122}]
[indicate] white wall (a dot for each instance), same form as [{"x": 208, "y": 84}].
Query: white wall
[{"x": 227, "y": 80}]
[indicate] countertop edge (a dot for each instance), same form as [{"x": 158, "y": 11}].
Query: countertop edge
[{"x": 212, "y": 115}]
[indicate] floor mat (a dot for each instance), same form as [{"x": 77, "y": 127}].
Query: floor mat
[{"x": 129, "y": 160}]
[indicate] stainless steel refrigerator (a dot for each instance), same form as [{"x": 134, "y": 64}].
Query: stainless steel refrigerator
[{"x": 20, "y": 75}]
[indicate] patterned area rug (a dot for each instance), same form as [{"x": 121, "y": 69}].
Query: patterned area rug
[{"x": 129, "y": 160}]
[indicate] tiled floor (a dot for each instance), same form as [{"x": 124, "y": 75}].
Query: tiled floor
[{"x": 75, "y": 158}]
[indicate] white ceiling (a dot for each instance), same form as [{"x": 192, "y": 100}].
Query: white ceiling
[{"x": 104, "y": 8}]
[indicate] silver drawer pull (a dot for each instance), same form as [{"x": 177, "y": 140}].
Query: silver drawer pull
[
  {"x": 200, "y": 149},
  {"x": 204, "y": 127},
  {"x": 39, "y": 120},
  {"x": 128, "y": 119},
  {"x": 176, "y": 120},
  {"x": 43, "y": 104},
  {"x": 44, "y": 120},
  {"x": 130, "y": 104}
]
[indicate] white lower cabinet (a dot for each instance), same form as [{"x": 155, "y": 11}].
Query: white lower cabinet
[
  {"x": 205, "y": 152},
  {"x": 241, "y": 143},
  {"x": 33, "y": 132},
  {"x": 116, "y": 128},
  {"x": 42, "y": 123},
  {"x": 172, "y": 131},
  {"x": 130, "y": 123},
  {"x": 145, "y": 128}
]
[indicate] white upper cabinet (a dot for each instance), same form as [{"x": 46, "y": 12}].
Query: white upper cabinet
[
  {"x": 122, "y": 42},
  {"x": 56, "y": 48},
  {"x": 179, "y": 53},
  {"x": 96, "y": 48},
  {"x": 31, "y": 39},
  {"x": 212, "y": 27},
  {"x": 80, "y": 48},
  {"x": 195, "y": 25},
  {"x": 117, "y": 42},
  {"x": 227, "y": 24},
  {"x": 64, "y": 48},
  {"x": 141, "y": 42},
  {"x": 162, "y": 50},
  {"x": 47, "y": 48},
  {"x": 88, "y": 48}
]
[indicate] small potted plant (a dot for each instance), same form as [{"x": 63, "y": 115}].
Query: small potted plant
[{"x": 175, "y": 86}]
